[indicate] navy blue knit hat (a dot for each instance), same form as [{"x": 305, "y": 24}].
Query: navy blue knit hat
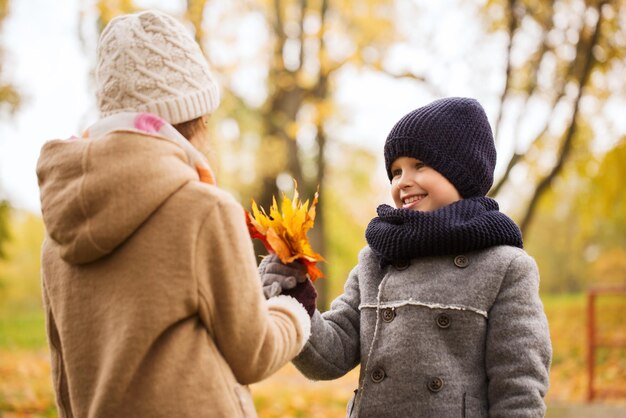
[{"x": 451, "y": 135}]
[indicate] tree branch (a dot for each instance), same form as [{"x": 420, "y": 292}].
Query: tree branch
[
  {"x": 560, "y": 84},
  {"x": 279, "y": 32},
  {"x": 195, "y": 14},
  {"x": 544, "y": 184},
  {"x": 512, "y": 27},
  {"x": 512, "y": 163},
  {"x": 409, "y": 76},
  {"x": 303, "y": 7}
]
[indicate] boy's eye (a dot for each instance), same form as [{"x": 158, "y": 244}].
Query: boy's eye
[
  {"x": 397, "y": 172},
  {"x": 420, "y": 165}
]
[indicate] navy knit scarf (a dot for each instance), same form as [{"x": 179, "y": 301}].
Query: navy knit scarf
[{"x": 466, "y": 225}]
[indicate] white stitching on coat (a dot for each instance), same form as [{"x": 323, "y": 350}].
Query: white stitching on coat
[{"x": 417, "y": 303}]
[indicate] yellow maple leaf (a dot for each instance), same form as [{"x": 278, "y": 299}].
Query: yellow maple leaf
[{"x": 284, "y": 230}]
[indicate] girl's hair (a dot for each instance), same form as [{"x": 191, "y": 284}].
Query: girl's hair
[{"x": 192, "y": 127}]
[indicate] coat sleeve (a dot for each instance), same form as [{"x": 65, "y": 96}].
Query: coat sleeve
[
  {"x": 255, "y": 336},
  {"x": 518, "y": 351},
  {"x": 334, "y": 346}
]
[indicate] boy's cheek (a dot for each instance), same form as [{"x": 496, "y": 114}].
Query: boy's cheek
[{"x": 396, "y": 201}]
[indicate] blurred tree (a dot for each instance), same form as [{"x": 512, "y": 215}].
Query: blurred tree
[
  {"x": 304, "y": 45},
  {"x": 352, "y": 194},
  {"x": 608, "y": 202},
  {"x": 610, "y": 268},
  {"x": 195, "y": 15},
  {"x": 9, "y": 97},
  {"x": 559, "y": 53},
  {"x": 564, "y": 59},
  {"x": 108, "y": 9},
  {"x": 4, "y": 226},
  {"x": 278, "y": 63},
  {"x": 579, "y": 239},
  {"x": 19, "y": 270},
  {"x": 9, "y": 102},
  {"x": 602, "y": 207}
]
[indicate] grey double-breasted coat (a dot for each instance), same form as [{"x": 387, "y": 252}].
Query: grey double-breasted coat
[{"x": 448, "y": 336}]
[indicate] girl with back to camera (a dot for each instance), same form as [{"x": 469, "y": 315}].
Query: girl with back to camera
[{"x": 152, "y": 297}]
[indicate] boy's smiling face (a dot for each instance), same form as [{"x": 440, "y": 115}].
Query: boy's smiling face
[{"x": 416, "y": 186}]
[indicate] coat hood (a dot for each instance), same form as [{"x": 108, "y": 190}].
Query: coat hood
[{"x": 95, "y": 193}]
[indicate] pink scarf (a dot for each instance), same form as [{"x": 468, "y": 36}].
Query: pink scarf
[{"x": 152, "y": 124}]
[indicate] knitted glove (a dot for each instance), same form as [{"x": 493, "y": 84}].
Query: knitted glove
[
  {"x": 276, "y": 276},
  {"x": 304, "y": 293}
]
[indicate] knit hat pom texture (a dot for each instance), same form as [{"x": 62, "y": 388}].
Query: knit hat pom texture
[
  {"x": 451, "y": 135},
  {"x": 149, "y": 62}
]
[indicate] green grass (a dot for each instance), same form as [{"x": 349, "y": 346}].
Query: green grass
[
  {"x": 22, "y": 328},
  {"x": 25, "y": 368},
  {"x": 565, "y": 300}
]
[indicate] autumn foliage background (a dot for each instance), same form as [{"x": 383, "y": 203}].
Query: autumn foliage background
[{"x": 310, "y": 89}]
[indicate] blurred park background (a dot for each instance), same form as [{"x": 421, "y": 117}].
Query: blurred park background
[{"x": 310, "y": 89}]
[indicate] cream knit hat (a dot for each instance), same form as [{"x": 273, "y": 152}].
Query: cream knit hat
[{"x": 148, "y": 62}]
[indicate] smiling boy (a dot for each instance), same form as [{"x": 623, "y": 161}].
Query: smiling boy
[
  {"x": 442, "y": 311},
  {"x": 418, "y": 187}
]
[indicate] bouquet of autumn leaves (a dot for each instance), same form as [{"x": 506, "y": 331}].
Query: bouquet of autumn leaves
[{"x": 283, "y": 231}]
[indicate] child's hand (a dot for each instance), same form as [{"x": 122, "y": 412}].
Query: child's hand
[
  {"x": 306, "y": 294},
  {"x": 276, "y": 276}
]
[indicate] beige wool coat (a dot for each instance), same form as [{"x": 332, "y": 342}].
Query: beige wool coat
[{"x": 153, "y": 303}]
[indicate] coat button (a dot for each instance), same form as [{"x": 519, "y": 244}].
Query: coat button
[
  {"x": 443, "y": 321},
  {"x": 402, "y": 265},
  {"x": 461, "y": 261},
  {"x": 378, "y": 375},
  {"x": 435, "y": 384},
  {"x": 388, "y": 314}
]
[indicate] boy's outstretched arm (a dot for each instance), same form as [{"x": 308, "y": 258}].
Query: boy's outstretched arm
[
  {"x": 334, "y": 346},
  {"x": 519, "y": 350}
]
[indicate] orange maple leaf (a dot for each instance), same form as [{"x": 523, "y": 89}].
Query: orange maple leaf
[{"x": 283, "y": 232}]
